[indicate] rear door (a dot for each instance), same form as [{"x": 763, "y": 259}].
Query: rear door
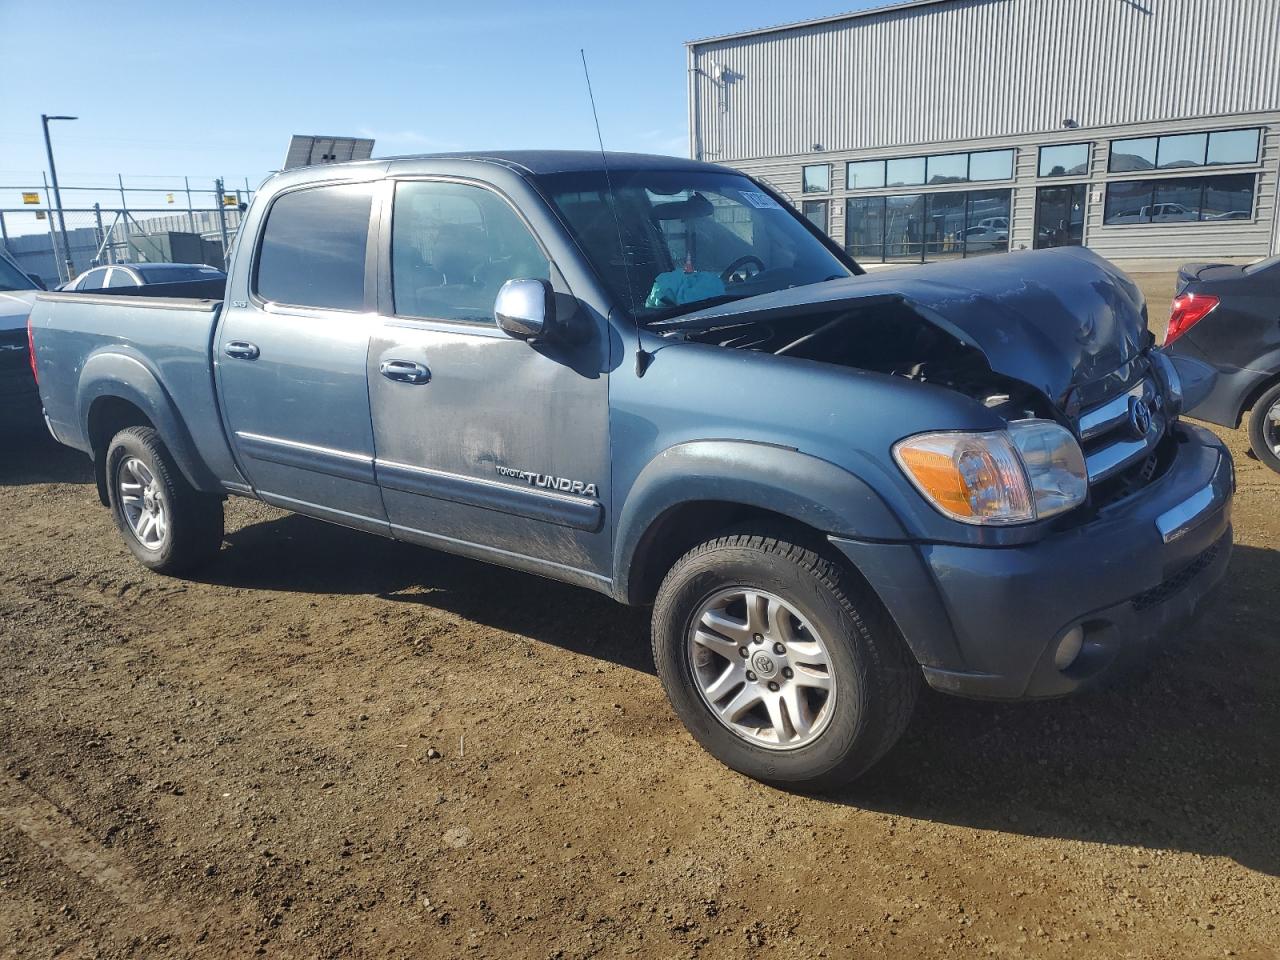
[
  {"x": 486, "y": 445},
  {"x": 291, "y": 357}
]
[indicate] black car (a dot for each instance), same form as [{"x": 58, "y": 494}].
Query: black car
[
  {"x": 1229, "y": 317},
  {"x": 128, "y": 277},
  {"x": 19, "y": 400}
]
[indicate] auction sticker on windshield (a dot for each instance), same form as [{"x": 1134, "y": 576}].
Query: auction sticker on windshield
[{"x": 761, "y": 201}]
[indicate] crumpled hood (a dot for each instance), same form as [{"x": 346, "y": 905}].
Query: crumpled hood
[
  {"x": 15, "y": 305},
  {"x": 1053, "y": 319}
]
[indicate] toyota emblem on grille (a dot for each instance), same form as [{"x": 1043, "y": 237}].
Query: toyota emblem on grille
[{"x": 1139, "y": 418}]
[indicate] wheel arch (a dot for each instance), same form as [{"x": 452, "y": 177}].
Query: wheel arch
[
  {"x": 692, "y": 491},
  {"x": 118, "y": 391},
  {"x": 1255, "y": 393}
]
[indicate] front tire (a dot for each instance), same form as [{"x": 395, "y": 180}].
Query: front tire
[
  {"x": 166, "y": 523},
  {"x": 782, "y": 664},
  {"x": 1264, "y": 428}
]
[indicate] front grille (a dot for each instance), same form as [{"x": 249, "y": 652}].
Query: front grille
[
  {"x": 1112, "y": 444},
  {"x": 1176, "y": 583}
]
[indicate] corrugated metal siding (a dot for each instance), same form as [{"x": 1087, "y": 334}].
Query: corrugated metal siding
[{"x": 982, "y": 68}]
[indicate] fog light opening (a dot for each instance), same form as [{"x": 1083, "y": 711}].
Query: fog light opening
[{"x": 1069, "y": 647}]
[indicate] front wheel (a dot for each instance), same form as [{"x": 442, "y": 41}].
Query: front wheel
[
  {"x": 1264, "y": 428},
  {"x": 781, "y": 663},
  {"x": 166, "y": 523}
]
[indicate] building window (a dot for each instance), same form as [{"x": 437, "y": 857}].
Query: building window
[
  {"x": 1233, "y": 146},
  {"x": 991, "y": 165},
  {"x": 1181, "y": 200},
  {"x": 941, "y": 168},
  {"x": 933, "y": 225},
  {"x": 864, "y": 228},
  {"x": 1066, "y": 160},
  {"x": 864, "y": 175},
  {"x": 815, "y": 211},
  {"x": 817, "y": 178},
  {"x": 1179, "y": 151},
  {"x": 1130, "y": 155},
  {"x": 904, "y": 172},
  {"x": 947, "y": 168},
  {"x": 1060, "y": 215}
]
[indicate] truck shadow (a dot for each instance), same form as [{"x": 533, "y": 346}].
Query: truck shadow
[
  {"x": 1179, "y": 753},
  {"x": 32, "y": 456},
  {"x": 295, "y": 553}
]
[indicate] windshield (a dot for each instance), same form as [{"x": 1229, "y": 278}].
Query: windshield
[
  {"x": 11, "y": 278},
  {"x": 691, "y": 239}
]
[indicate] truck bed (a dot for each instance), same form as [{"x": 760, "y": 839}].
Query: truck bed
[{"x": 89, "y": 345}]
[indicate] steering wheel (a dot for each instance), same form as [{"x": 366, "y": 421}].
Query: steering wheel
[{"x": 737, "y": 271}]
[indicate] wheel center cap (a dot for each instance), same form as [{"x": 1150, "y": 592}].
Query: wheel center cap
[{"x": 763, "y": 665}]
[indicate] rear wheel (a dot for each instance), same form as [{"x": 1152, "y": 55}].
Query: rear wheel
[
  {"x": 781, "y": 663},
  {"x": 166, "y": 523},
  {"x": 1264, "y": 428}
]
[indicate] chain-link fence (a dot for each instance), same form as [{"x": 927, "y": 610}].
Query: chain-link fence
[{"x": 128, "y": 224}]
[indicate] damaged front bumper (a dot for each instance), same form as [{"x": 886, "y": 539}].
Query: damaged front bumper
[{"x": 988, "y": 621}]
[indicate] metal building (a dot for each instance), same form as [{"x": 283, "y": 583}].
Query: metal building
[{"x": 1144, "y": 129}]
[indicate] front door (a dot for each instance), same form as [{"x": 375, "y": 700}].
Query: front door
[
  {"x": 291, "y": 359},
  {"x": 1060, "y": 215},
  {"x": 486, "y": 445}
]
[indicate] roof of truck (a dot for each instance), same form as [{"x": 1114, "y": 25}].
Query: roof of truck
[{"x": 539, "y": 162}]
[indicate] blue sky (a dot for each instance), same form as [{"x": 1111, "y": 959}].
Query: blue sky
[{"x": 166, "y": 89}]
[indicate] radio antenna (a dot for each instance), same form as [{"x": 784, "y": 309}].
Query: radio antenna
[{"x": 643, "y": 357}]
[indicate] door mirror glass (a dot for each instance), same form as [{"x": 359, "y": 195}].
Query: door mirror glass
[{"x": 525, "y": 309}]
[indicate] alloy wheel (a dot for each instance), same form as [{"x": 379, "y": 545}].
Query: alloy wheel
[
  {"x": 142, "y": 502},
  {"x": 760, "y": 667}
]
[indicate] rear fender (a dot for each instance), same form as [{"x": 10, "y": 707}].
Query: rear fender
[{"x": 125, "y": 376}]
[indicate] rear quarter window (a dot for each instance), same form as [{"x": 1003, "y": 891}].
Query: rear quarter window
[{"x": 313, "y": 247}]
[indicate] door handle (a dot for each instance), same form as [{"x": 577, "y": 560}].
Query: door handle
[
  {"x": 241, "y": 350},
  {"x": 404, "y": 371}
]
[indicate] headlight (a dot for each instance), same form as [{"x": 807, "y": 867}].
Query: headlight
[
  {"x": 1033, "y": 470},
  {"x": 1055, "y": 465}
]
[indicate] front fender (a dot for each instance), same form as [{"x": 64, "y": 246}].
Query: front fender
[
  {"x": 127, "y": 377},
  {"x": 780, "y": 479}
]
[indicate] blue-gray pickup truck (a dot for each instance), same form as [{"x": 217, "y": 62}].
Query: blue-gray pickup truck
[{"x": 652, "y": 378}]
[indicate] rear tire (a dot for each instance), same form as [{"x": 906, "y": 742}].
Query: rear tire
[
  {"x": 872, "y": 680},
  {"x": 1264, "y": 428},
  {"x": 166, "y": 523}
]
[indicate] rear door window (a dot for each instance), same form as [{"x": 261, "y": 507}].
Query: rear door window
[
  {"x": 93, "y": 280},
  {"x": 313, "y": 247}
]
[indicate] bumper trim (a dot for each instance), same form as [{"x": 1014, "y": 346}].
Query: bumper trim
[{"x": 1181, "y": 519}]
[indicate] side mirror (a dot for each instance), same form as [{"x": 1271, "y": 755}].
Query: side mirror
[
  {"x": 526, "y": 310},
  {"x": 35, "y": 278}
]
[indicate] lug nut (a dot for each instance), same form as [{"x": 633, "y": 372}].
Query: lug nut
[
  {"x": 788, "y": 672},
  {"x": 751, "y": 676},
  {"x": 773, "y": 686},
  {"x": 779, "y": 648},
  {"x": 756, "y": 638},
  {"x": 743, "y": 651}
]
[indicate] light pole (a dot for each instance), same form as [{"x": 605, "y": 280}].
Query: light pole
[{"x": 57, "y": 195}]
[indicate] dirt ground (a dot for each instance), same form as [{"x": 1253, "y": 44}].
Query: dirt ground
[{"x": 329, "y": 745}]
